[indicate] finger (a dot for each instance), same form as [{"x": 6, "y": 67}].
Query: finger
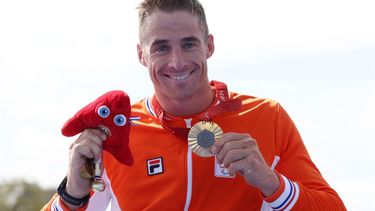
[
  {"x": 238, "y": 166},
  {"x": 91, "y": 135},
  {"x": 99, "y": 132},
  {"x": 229, "y": 146},
  {"x": 248, "y": 162},
  {"x": 89, "y": 150},
  {"x": 97, "y": 151},
  {"x": 84, "y": 150},
  {"x": 95, "y": 138},
  {"x": 235, "y": 155},
  {"x": 226, "y": 137}
]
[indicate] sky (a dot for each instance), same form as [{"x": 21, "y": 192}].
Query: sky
[{"x": 317, "y": 58}]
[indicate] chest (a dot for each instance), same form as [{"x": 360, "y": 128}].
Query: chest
[{"x": 167, "y": 175}]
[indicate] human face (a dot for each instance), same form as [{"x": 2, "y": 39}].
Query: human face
[{"x": 175, "y": 51}]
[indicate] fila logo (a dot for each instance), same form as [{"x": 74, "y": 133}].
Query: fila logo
[{"x": 155, "y": 166}]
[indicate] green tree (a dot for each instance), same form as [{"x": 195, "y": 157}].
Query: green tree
[{"x": 19, "y": 195}]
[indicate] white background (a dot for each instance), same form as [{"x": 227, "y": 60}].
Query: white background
[{"x": 317, "y": 58}]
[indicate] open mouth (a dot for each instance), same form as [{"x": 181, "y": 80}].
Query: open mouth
[{"x": 179, "y": 77}]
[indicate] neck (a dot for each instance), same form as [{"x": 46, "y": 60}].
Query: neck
[{"x": 189, "y": 106}]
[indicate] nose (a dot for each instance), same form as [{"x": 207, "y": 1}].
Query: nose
[{"x": 176, "y": 59}]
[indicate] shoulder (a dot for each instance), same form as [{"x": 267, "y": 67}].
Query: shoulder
[
  {"x": 253, "y": 102},
  {"x": 142, "y": 107},
  {"x": 143, "y": 112}
]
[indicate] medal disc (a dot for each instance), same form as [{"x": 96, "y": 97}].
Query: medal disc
[{"x": 202, "y": 137}]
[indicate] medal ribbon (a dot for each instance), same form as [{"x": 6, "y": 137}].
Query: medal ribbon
[{"x": 222, "y": 103}]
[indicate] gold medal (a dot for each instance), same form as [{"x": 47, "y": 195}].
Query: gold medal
[{"x": 202, "y": 137}]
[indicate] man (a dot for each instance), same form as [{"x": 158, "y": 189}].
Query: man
[{"x": 259, "y": 163}]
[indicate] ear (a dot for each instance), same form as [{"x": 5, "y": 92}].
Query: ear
[
  {"x": 210, "y": 46},
  {"x": 140, "y": 55}
]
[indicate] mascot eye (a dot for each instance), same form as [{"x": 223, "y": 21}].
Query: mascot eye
[
  {"x": 120, "y": 120},
  {"x": 103, "y": 111}
]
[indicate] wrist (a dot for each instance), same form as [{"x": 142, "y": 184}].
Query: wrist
[
  {"x": 285, "y": 197},
  {"x": 271, "y": 185},
  {"x": 73, "y": 201},
  {"x": 76, "y": 192}
]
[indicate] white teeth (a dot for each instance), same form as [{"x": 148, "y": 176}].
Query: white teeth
[{"x": 179, "y": 77}]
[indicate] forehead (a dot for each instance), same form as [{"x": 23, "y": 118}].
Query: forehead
[{"x": 165, "y": 25}]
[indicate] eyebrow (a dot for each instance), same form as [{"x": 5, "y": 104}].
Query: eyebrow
[
  {"x": 158, "y": 42},
  {"x": 191, "y": 39},
  {"x": 186, "y": 39}
]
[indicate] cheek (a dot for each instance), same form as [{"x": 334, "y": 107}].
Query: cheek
[
  {"x": 153, "y": 69},
  {"x": 156, "y": 63},
  {"x": 198, "y": 56}
]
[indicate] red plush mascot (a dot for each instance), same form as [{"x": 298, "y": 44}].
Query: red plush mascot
[{"x": 110, "y": 112}]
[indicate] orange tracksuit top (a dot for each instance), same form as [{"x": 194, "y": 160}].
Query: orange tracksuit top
[{"x": 166, "y": 175}]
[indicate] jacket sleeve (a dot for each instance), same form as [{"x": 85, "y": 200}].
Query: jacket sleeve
[
  {"x": 55, "y": 204},
  {"x": 302, "y": 185},
  {"x": 98, "y": 200}
]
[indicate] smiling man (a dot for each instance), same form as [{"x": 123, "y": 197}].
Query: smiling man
[
  {"x": 196, "y": 146},
  {"x": 175, "y": 48}
]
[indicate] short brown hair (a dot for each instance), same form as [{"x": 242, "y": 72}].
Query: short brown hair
[{"x": 147, "y": 7}]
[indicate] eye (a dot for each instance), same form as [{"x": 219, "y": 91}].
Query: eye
[
  {"x": 120, "y": 120},
  {"x": 103, "y": 111},
  {"x": 162, "y": 49},
  {"x": 188, "y": 45}
]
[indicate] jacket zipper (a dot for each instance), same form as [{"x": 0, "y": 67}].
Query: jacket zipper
[{"x": 189, "y": 171}]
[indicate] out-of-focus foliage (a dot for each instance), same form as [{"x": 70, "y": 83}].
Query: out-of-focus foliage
[{"x": 19, "y": 195}]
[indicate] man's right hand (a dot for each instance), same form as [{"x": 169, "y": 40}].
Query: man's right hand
[{"x": 87, "y": 146}]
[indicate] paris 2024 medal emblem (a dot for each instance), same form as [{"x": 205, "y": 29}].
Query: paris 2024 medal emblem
[{"x": 202, "y": 137}]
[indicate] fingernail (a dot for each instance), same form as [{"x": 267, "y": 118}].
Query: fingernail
[
  {"x": 213, "y": 150},
  {"x": 219, "y": 162}
]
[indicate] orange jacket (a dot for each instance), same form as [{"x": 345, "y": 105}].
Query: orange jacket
[{"x": 166, "y": 175}]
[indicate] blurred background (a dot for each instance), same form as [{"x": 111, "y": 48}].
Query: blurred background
[{"x": 317, "y": 58}]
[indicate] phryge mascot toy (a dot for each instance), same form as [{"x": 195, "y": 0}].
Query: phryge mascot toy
[{"x": 111, "y": 113}]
